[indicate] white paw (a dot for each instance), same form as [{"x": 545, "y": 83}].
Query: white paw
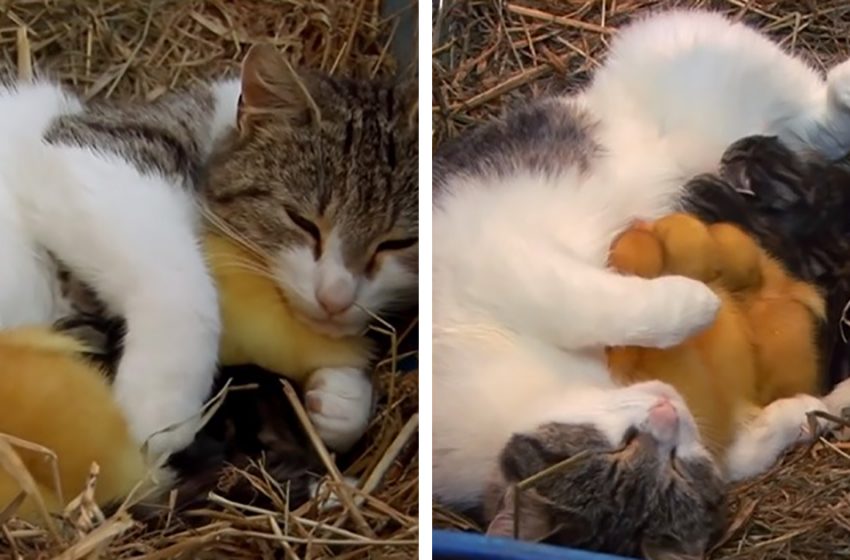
[
  {"x": 839, "y": 398},
  {"x": 162, "y": 428},
  {"x": 339, "y": 402},
  {"x": 792, "y": 415},
  {"x": 838, "y": 85},
  {"x": 690, "y": 306},
  {"x": 322, "y": 492}
]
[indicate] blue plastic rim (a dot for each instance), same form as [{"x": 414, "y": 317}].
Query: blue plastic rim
[{"x": 455, "y": 545}]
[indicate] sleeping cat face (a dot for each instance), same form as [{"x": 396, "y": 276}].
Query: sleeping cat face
[
  {"x": 647, "y": 486},
  {"x": 321, "y": 178}
]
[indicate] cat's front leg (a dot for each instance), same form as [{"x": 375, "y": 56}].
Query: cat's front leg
[
  {"x": 572, "y": 304},
  {"x": 772, "y": 431},
  {"x": 133, "y": 239},
  {"x": 339, "y": 402},
  {"x": 168, "y": 366}
]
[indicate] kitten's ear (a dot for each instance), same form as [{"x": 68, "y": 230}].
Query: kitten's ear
[
  {"x": 674, "y": 551},
  {"x": 535, "y": 521},
  {"x": 271, "y": 85},
  {"x": 520, "y": 458}
]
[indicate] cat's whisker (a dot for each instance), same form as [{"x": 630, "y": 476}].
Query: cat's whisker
[
  {"x": 226, "y": 258},
  {"x": 222, "y": 227},
  {"x": 247, "y": 267}
]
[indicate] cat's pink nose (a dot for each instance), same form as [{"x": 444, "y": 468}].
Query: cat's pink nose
[
  {"x": 335, "y": 297},
  {"x": 663, "y": 420}
]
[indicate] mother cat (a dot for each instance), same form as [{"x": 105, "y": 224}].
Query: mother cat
[
  {"x": 523, "y": 303},
  {"x": 318, "y": 173}
]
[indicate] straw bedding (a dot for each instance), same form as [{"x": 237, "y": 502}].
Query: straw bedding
[
  {"x": 488, "y": 55},
  {"x": 140, "y": 49}
]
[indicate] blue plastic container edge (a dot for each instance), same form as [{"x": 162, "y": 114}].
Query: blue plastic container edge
[{"x": 472, "y": 546}]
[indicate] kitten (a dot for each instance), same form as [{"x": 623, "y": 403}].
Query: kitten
[
  {"x": 523, "y": 304},
  {"x": 111, "y": 192}
]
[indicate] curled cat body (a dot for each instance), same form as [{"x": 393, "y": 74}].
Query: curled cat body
[
  {"x": 315, "y": 175},
  {"x": 519, "y": 330}
]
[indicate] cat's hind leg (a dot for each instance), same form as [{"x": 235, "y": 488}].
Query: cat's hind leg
[
  {"x": 826, "y": 127},
  {"x": 769, "y": 433}
]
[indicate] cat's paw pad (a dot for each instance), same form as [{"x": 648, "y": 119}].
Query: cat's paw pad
[
  {"x": 838, "y": 84},
  {"x": 691, "y": 307},
  {"x": 339, "y": 403}
]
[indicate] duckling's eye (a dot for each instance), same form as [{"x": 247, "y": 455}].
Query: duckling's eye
[
  {"x": 396, "y": 244},
  {"x": 306, "y": 225}
]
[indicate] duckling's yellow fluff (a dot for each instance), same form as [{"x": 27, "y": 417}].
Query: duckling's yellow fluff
[{"x": 53, "y": 397}]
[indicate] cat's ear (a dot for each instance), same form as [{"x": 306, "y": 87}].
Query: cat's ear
[
  {"x": 531, "y": 521},
  {"x": 679, "y": 550},
  {"x": 270, "y": 85},
  {"x": 521, "y": 457}
]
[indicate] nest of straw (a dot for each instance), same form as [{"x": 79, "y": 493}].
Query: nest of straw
[
  {"x": 490, "y": 55},
  {"x": 139, "y": 49}
]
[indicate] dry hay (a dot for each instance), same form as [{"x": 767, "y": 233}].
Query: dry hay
[
  {"x": 486, "y": 58},
  {"x": 140, "y": 49},
  {"x": 488, "y": 55}
]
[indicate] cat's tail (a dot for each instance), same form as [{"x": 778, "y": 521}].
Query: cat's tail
[{"x": 57, "y": 418}]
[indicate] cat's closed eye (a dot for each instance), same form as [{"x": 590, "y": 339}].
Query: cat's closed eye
[
  {"x": 396, "y": 244},
  {"x": 306, "y": 225}
]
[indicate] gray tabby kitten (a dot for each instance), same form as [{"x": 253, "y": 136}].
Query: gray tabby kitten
[{"x": 316, "y": 174}]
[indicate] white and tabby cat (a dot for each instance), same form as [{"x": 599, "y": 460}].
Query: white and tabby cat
[
  {"x": 295, "y": 164},
  {"x": 525, "y": 211}
]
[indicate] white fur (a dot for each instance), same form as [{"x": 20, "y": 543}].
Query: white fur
[
  {"x": 304, "y": 279},
  {"x": 777, "y": 427},
  {"x": 134, "y": 238},
  {"x": 339, "y": 402},
  {"x": 523, "y": 304},
  {"x": 322, "y": 491}
]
